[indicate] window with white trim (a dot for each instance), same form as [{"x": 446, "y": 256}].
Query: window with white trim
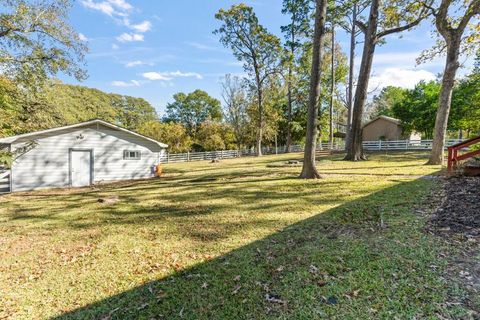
[{"x": 131, "y": 155}]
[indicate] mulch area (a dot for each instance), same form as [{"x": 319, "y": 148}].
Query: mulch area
[
  {"x": 459, "y": 211},
  {"x": 457, "y": 220}
]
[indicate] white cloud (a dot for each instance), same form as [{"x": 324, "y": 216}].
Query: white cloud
[
  {"x": 119, "y": 10},
  {"x": 129, "y": 37},
  {"x": 186, "y": 74},
  {"x": 167, "y": 76},
  {"x": 131, "y": 83},
  {"x": 109, "y": 7},
  {"x": 405, "y": 78},
  {"x": 104, "y": 7},
  {"x": 137, "y": 63},
  {"x": 122, "y": 4},
  {"x": 115, "y": 46},
  {"x": 143, "y": 26},
  {"x": 155, "y": 76},
  {"x": 82, "y": 37},
  {"x": 133, "y": 63}
]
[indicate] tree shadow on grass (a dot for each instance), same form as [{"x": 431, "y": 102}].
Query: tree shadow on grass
[{"x": 338, "y": 263}]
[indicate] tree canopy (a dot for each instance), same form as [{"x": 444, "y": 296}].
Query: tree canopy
[
  {"x": 193, "y": 109},
  {"x": 37, "y": 41},
  {"x": 61, "y": 104}
]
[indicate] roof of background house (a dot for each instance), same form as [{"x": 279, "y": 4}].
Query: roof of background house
[
  {"x": 9, "y": 140},
  {"x": 396, "y": 121}
]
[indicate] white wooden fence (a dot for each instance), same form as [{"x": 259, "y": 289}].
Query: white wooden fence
[
  {"x": 367, "y": 145},
  {"x": 4, "y": 181},
  {"x": 404, "y": 144}
]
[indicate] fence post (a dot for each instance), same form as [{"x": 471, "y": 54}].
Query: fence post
[
  {"x": 379, "y": 145},
  {"x": 168, "y": 156},
  {"x": 188, "y": 156}
]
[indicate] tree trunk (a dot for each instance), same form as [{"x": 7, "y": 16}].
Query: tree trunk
[
  {"x": 260, "y": 122},
  {"x": 289, "y": 85},
  {"x": 355, "y": 148},
  {"x": 444, "y": 101},
  {"x": 351, "y": 76},
  {"x": 289, "y": 111},
  {"x": 309, "y": 170},
  {"x": 332, "y": 90}
]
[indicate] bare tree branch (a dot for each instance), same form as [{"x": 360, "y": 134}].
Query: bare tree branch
[
  {"x": 408, "y": 26},
  {"x": 362, "y": 26}
]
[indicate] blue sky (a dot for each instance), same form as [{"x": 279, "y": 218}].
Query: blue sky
[{"x": 153, "y": 49}]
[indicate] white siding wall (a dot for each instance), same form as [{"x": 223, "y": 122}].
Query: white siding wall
[{"x": 47, "y": 165}]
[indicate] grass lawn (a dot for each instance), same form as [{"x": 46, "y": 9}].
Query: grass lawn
[{"x": 239, "y": 239}]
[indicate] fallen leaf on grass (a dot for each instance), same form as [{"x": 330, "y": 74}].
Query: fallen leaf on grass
[
  {"x": 142, "y": 306},
  {"x": 236, "y": 289},
  {"x": 352, "y": 294}
]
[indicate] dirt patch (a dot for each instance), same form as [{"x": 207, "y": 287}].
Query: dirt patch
[{"x": 459, "y": 211}]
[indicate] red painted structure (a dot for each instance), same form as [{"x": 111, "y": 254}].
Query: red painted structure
[{"x": 453, "y": 152}]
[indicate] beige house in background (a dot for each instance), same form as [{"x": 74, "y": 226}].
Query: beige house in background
[{"x": 386, "y": 128}]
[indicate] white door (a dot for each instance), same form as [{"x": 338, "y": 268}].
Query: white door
[{"x": 80, "y": 170}]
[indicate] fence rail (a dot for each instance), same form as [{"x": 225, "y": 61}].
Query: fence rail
[
  {"x": 367, "y": 145},
  {"x": 404, "y": 144},
  {"x": 4, "y": 181}
]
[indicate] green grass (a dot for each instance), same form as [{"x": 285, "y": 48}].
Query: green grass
[{"x": 212, "y": 240}]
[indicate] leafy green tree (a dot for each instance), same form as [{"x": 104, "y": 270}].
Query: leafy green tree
[
  {"x": 383, "y": 103},
  {"x": 417, "y": 108},
  {"x": 78, "y": 103},
  {"x": 9, "y": 108},
  {"x": 171, "y": 133},
  {"x": 258, "y": 49},
  {"x": 36, "y": 41},
  {"x": 24, "y": 110},
  {"x": 215, "y": 136},
  {"x": 132, "y": 111},
  {"x": 465, "y": 113},
  {"x": 193, "y": 109}
]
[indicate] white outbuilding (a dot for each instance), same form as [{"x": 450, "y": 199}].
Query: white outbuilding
[{"x": 79, "y": 155}]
